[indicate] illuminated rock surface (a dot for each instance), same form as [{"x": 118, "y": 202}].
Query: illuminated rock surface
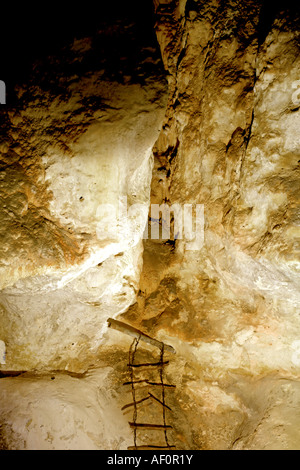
[
  {"x": 80, "y": 139},
  {"x": 227, "y": 139}
]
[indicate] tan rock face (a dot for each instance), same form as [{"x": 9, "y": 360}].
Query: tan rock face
[
  {"x": 43, "y": 413},
  {"x": 228, "y": 142},
  {"x": 228, "y": 139},
  {"x": 79, "y": 140}
]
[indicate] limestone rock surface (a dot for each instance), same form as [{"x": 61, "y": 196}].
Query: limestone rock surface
[
  {"x": 44, "y": 413},
  {"x": 229, "y": 142},
  {"x": 223, "y": 133},
  {"x": 75, "y": 150}
]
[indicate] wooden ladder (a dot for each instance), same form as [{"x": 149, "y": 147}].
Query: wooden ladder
[{"x": 154, "y": 385}]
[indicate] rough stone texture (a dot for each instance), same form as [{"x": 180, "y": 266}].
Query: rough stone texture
[
  {"x": 79, "y": 139},
  {"x": 44, "y": 413},
  {"x": 229, "y": 141}
]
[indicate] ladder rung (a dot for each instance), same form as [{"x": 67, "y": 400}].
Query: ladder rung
[
  {"x": 136, "y": 382},
  {"x": 135, "y": 403},
  {"x": 154, "y": 384},
  {"x": 149, "y": 364},
  {"x": 143, "y": 400},
  {"x": 149, "y": 426},
  {"x": 161, "y": 385},
  {"x": 159, "y": 401}
]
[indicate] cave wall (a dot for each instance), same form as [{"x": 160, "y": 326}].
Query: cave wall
[
  {"x": 229, "y": 142},
  {"x": 78, "y": 143},
  {"x": 208, "y": 114}
]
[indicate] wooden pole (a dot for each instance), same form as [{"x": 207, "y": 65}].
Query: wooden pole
[
  {"x": 149, "y": 364},
  {"x": 162, "y": 403},
  {"x": 150, "y": 426},
  {"x": 152, "y": 384},
  {"x": 135, "y": 403},
  {"x": 131, "y": 331}
]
